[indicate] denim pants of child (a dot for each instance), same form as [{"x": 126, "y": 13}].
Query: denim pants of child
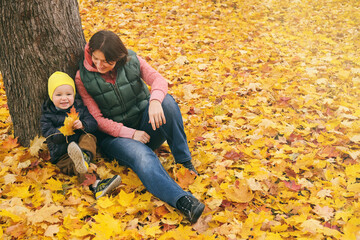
[{"x": 141, "y": 157}]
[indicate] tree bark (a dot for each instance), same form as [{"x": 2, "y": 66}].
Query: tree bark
[{"x": 37, "y": 38}]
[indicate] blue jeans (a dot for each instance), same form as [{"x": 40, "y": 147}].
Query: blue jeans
[{"x": 142, "y": 159}]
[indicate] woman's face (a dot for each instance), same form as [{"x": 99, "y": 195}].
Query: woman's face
[{"x": 100, "y": 62}]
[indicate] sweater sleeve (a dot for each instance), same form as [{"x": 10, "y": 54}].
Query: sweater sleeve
[
  {"x": 158, "y": 83},
  {"x": 105, "y": 125}
]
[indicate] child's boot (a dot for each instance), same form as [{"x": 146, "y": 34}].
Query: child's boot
[
  {"x": 105, "y": 186},
  {"x": 79, "y": 157}
]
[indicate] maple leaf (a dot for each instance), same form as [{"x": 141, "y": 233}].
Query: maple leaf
[
  {"x": 72, "y": 201},
  {"x": 71, "y": 117},
  {"x": 89, "y": 180},
  {"x": 46, "y": 213},
  {"x": 325, "y": 212},
  {"x": 105, "y": 203},
  {"x": 152, "y": 230},
  {"x": 354, "y": 187},
  {"x": 161, "y": 211},
  {"x": 51, "y": 230},
  {"x": 126, "y": 199},
  {"x": 16, "y": 231},
  {"x": 293, "y": 186},
  {"x": 233, "y": 155},
  {"x": 311, "y": 226},
  {"x": 12, "y": 216},
  {"x": 54, "y": 184},
  {"x": 167, "y": 227},
  {"x": 185, "y": 177},
  {"x": 36, "y": 145},
  {"x": 240, "y": 193},
  {"x": 202, "y": 224},
  {"x": 10, "y": 143}
]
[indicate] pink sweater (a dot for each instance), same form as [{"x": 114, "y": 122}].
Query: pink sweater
[{"x": 159, "y": 88}]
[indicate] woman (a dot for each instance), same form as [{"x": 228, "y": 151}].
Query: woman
[{"x": 133, "y": 122}]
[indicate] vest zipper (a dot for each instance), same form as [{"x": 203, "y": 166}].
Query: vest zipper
[{"x": 117, "y": 92}]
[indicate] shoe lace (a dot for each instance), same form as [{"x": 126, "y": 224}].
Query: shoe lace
[{"x": 102, "y": 185}]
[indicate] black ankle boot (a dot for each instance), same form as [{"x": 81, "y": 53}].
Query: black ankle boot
[
  {"x": 189, "y": 166},
  {"x": 190, "y": 207}
]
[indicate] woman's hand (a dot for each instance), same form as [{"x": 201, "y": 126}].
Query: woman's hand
[
  {"x": 156, "y": 114},
  {"x": 78, "y": 125},
  {"x": 141, "y": 136}
]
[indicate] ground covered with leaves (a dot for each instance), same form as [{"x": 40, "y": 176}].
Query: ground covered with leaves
[{"x": 269, "y": 94}]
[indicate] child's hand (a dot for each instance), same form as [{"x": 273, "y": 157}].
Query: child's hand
[
  {"x": 78, "y": 125},
  {"x": 92, "y": 168}
]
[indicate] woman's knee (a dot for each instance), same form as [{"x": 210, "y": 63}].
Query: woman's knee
[
  {"x": 145, "y": 159},
  {"x": 170, "y": 106}
]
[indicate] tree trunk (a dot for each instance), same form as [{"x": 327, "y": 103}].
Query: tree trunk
[{"x": 37, "y": 38}]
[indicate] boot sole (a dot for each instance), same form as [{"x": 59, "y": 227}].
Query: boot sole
[
  {"x": 198, "y": 211},
  {"x": 75, "y": 154},
  {"x": 112, "y": 185}
]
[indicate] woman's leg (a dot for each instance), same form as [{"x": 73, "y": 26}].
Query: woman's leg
[
  {"x": 143, "y": 161},
  {"x": 172, "y": 131}
]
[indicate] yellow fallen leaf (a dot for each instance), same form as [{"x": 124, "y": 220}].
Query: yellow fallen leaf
[
  {"x": 354, "y": 187},
  {"x": 51, "y": 230},
  {"x": 311, "y": 226},
  {"x": 82, "y": 232},
  {"x": 325, "y": 212},
  {"x": 152, "y": 230},
  {"x": 105, "y": 202},
  {"x": 240, "y": 194},
  {"x": 44, "y": 214},
  {"x": 54, "y": 185},
  {"x": 331, "y": 232},
  {"x": 125, "y": 199},
  {"x": 279, "y": 228},
  {"x": 355, "y": 138},
  {"x": 106, "y": 225},
  {"x": 12, "y": 216},
  {"x": 67, "y": 129},
  {"x": 35, "y": 145}
]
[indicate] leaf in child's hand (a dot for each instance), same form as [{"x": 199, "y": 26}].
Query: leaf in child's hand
[{"x": 67, "y": 129}]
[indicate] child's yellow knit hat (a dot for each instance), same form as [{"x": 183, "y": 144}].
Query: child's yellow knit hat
[{"x": 57, "y": 79}]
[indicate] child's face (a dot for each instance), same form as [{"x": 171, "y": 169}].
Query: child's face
[{"x": 63, "y": 96}]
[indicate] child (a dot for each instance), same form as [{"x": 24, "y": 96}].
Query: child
[{"x": 72, "y": 154}]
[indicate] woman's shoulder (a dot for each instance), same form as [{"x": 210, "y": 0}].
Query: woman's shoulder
[{"x": 131, "y": 52}]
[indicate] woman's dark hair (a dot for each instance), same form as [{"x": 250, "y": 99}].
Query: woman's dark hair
[{"x": 110, "y": 45}]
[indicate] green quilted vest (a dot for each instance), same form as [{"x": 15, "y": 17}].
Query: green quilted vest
[{"x": 123, "y": 101}]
